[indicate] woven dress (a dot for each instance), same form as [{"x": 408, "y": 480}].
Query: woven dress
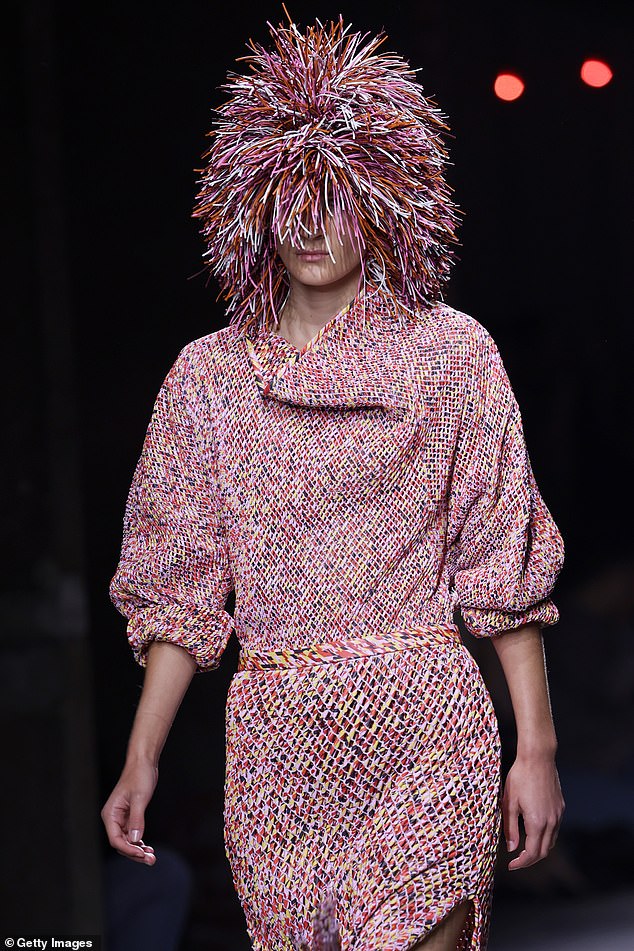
[{"x": 354, "y": 495}]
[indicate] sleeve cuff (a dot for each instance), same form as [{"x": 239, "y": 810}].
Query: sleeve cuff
[
  {"x": 491, "y": 622},
  {"x": 202, "y": 632}
]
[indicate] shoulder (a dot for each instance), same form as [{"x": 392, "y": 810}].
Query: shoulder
[
  {"x": 453, "y": 350},
  {"x": 476, "y": 360},
  {"x": 209, "y": 349},
  {"x": 205, "y": 358},
  {"x": 459, "y": 337},
  {"x": 452, "y": 326},
  {"x": 199, "y": 371}
]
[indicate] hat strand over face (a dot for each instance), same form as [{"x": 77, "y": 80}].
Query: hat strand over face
[{"x": 324, "y": 125}]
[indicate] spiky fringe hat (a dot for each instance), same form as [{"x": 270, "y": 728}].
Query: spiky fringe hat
[{"x": 323, "y": 125}]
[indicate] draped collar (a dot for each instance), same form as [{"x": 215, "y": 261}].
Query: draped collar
[
  {"x": 353, "y": 361},
  {"x": 364, "y": 358}
]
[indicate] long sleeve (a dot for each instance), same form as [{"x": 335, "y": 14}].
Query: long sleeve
[
  {"x": 174, "y": 572},
  {"x": 506, "y": 549}
]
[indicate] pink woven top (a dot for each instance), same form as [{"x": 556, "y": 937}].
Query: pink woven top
[{"x": 376, "y": 479}]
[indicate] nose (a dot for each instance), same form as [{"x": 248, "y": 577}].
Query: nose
[{"x": 317, "y": 235}]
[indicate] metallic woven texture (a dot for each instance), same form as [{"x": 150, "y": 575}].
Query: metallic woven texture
[
  {"x": 372, "y": 778},
  {"x": 354, "y": 494},
  {"x": 344, "y": 649}
]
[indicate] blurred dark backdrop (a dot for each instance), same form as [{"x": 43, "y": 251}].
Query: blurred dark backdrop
[{"x": 104, "y": 124}]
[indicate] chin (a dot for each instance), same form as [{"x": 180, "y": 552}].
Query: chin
[
  {"x": 318, "y": 273},
  {"x": 324, "y": 281},
  {"x": 314, "y": 274}
]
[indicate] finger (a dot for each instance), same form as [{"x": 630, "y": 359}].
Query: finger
[
  {"x": 130, "y": 850},
  {"x": 532, "y": 851},
  {"x": 136, "y": 820},
  {"x": 113, "y": 827},
  {"x": 559, "y": 818},
  {"x": 142, "y": 858},
  {"x": 511, "y": 825},
  {"x": 141, "y": 844},
  {"x": 148, "y": 853},
  {"x": 553, "y": 831},
  {"x": 118, "y": 838},
  {"x": 549, "y": 835}
]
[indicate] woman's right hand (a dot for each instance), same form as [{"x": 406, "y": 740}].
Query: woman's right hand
[{"x": 124, "y": 811}]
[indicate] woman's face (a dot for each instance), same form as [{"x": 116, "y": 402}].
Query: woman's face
[{"x": 317, "y": 268}]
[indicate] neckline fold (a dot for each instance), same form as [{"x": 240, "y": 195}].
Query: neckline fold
[
  {"x": 315, "y": 339},
  {"x": 348, "y": 364}
]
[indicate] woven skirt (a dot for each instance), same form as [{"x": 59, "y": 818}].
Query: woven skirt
[{"x": 362, "y": 792}]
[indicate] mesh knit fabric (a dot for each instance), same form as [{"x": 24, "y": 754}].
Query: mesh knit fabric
[{"x": 350, "y": 492}]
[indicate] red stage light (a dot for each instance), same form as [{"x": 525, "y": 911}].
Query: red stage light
[
  {"x": 508, "y": 86},
  {"x": 596, "y": 73}
]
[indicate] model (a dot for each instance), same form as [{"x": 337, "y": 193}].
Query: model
[{"x": 348, "y": 456}]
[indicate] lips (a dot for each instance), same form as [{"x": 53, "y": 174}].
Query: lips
[{"x": 311, "y": 254}]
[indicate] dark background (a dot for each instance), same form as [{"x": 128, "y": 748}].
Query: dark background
[{"x": 104, "y": 124}]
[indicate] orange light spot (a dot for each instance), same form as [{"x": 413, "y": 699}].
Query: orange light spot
[
  {"x": 507, "y": 86},
  {"x": 596, "y": 73}
]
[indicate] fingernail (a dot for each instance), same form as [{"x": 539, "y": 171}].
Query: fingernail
[
  {"x": 135, "y": 835},
  {"x": 510, "y": 845}
]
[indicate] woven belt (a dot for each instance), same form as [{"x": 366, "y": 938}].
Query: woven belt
[{"x": 332, "y": 651}]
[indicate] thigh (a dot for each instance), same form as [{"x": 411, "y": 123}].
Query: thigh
[{"x": 444, "y": 936}]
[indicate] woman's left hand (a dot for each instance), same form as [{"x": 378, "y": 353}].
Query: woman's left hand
[{"x": 532, "y": 788}]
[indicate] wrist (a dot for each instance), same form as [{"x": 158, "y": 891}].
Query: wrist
[
  {"x": 142, "y": 755},
  {"x": 532, "y": 750},
  {"x": 148, "y": 735}
]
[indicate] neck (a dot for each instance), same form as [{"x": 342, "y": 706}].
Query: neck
[{"x": 308, "y": 307}]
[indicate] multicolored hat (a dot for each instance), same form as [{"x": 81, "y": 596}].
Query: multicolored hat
[{"x": 324, "y": 125}]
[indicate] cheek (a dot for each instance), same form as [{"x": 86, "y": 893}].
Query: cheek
[
  {"x": 282, "y": 252},
  {"x": 350, "y": 254}
]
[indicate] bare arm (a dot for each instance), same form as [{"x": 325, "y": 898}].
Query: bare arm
[
  {"x": 168, "y": 673},
  {"x": 532, "y": 785}
]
